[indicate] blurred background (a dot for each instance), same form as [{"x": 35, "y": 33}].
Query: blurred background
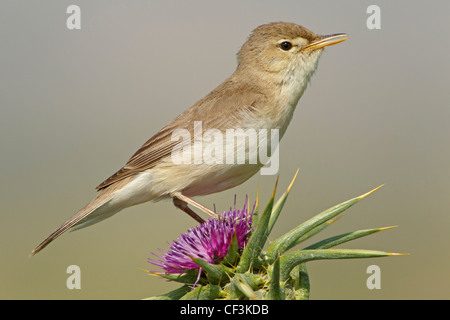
[{"x": 76, "y": 104}]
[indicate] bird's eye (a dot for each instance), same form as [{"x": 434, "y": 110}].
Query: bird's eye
[{"x": 285, "y": 45}]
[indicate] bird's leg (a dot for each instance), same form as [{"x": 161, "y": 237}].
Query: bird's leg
[
  {"x": 183, "y": 206},
  {"x": 181, "y": 202}
]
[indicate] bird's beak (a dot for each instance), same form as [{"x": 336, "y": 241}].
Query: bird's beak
[{"x": 325, "y": 41}]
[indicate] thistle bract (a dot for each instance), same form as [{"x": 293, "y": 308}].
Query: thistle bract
[{"x": 226, "y": 259}]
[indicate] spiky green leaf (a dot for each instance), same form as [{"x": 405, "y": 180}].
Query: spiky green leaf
[
  {"x": 257, "y": 239},
  {"x": 244, "y": 287},
  {"x": 172, "y": 295},
  {"x": 189, "y": 277},
  {"x": 208, "y": 292},
  {"x": 315, "y": 231},
  {"x": 301, "y": 282},
  {"x": 289, "y": 239},
  {"x": 233, "y": 252},
  {"x": 276, "y": 210},
  {"x": 275, "y": 291},
  {"x": 342, "y": 238},
  {"x": 216, "y": 273},
  {"x": 289, "y": 260}
]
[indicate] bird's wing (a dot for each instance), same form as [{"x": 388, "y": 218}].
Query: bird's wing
[{"x": 228, "y": 108}]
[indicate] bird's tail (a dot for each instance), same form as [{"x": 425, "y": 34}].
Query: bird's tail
[{"x": 94, "y": 212}]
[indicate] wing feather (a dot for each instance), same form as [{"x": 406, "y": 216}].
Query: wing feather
[{"x": 223, "y": 102}]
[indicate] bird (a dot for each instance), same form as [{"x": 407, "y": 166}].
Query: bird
[{"x": 274, "y": 67}]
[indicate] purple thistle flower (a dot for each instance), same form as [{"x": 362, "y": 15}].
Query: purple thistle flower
[{"x": 209, "y": 241}]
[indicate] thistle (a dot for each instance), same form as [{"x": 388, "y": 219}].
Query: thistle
[{"x": 226, "y": 259}]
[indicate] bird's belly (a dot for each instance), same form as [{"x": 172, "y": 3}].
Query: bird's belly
[
  {"x": 199, "y": 179},
  {"x": 221, "y": 177}
]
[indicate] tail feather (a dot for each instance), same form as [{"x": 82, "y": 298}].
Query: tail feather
[
  {"x": 90, "y": 214},
  {"x": 94, "y": 218}
]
